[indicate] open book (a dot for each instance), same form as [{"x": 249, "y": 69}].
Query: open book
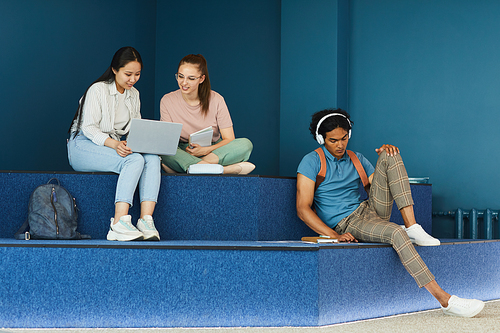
[{"x": 202, "y": 137}]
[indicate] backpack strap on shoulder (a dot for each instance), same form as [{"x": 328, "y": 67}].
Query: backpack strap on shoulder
[
  {"x": 355, "y": 160},
  {"x": 361, "y": 171},
  {"x": 322, "y": 171}
]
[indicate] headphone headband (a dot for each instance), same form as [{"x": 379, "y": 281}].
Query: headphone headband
[{"x": 319, "y": 137}]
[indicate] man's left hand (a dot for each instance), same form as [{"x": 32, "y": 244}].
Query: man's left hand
[{"x": 390, "y": 149}]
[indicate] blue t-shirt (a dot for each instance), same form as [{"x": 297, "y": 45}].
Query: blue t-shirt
[{"x": 338, "y": 195}]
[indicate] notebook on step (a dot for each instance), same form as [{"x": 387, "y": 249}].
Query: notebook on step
[{"x": 153, "y": 136}]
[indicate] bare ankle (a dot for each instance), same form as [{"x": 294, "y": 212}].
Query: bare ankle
[
  {"x": 439, "y": 294},
  {"x": 211, "y": 158},
  {"x": 167, "y": 169}
]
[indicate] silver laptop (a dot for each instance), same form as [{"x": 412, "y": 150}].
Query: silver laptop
[{"x": 153, "y": 137}]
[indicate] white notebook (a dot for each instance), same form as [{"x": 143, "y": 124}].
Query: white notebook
[
  {"x": 206, "y": 169},
  {"x": 202, "y": 137}
]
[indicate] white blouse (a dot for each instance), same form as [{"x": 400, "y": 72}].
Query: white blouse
[{"x": 99, "y": 112}]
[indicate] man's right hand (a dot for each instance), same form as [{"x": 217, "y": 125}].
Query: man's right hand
[{"x": 347, "y": 237}]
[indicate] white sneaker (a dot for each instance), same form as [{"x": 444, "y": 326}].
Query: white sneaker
[
  {"x": 123, "y": 230},
  {"x": 418, "y": 236},
  {"x": 462, "y": 307},
  {"x": 215, "y": 169},
  {"x": 147, "y": 226}
]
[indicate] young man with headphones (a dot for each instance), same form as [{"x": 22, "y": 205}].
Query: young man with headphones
[{"x": 334, "y": 208}]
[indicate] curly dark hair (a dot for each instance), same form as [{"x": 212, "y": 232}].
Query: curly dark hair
[{"x": 330, "y": 123}]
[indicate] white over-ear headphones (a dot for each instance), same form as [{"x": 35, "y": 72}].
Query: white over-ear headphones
[{"x": 319, "y": 137}]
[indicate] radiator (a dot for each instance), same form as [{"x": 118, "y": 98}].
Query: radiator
[{"x": 473, "y": 215}]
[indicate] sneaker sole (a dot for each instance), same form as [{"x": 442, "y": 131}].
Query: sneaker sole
[
  {"x": 478, "y": 310},
  {"x": 425, "y": 244},
  {"x": 114, "y": 236},
  {"x": 151, "y": 237},
  {"x": 469, "y": 315}
]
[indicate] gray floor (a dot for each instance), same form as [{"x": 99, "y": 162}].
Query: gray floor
[{"x": 428, "y": 321}]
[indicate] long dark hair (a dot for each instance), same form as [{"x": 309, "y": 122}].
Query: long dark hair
[
  {"x": 121, "y": 58},
  {"x": 204, "y": 88}
]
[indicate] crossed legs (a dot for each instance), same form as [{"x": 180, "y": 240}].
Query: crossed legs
[{"x": 232, "y": 156}]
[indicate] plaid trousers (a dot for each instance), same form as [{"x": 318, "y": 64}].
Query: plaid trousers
[{"x": 370, "y": 221}]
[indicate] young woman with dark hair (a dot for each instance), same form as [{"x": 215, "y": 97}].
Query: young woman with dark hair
[
  {"x": 197, "y": 107},
  {"x": 102, "y": 118}
]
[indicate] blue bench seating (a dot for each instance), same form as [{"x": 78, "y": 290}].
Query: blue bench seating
[
  {"x": 249, "y": 208},
  {"x": 230, "y": 255}
]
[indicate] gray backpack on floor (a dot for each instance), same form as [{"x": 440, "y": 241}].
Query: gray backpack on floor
[{"x": 52, "y": 214}]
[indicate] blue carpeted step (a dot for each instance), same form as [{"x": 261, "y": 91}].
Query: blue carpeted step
[
  {"x": 214, "y": 284},
  {"x": 225, "y": 259},
  {"x": 189, "y": 207}
]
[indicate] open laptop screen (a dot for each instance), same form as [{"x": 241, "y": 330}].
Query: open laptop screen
[{"x": 154, "y": 137}]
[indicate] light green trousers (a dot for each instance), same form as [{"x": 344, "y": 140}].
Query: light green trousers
[{"x": 236, "y": 151}]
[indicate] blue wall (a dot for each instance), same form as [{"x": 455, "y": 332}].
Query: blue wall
[
  {"x": 241, "y": 42},
  {"x": 425, "y": 75},
  {"x": 54, "y": 50},
  {"x": 314, "y": 50},
  {"x": 51, "y": 52}
]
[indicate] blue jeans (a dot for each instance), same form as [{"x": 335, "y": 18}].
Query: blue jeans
[{"x": 136, "y": 168}]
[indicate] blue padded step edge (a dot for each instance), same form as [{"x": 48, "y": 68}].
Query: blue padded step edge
[
  {"x": 48, "y": 287},
  {"x": 213, "y": 245},
  {"x": 190, "y": 207}
]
